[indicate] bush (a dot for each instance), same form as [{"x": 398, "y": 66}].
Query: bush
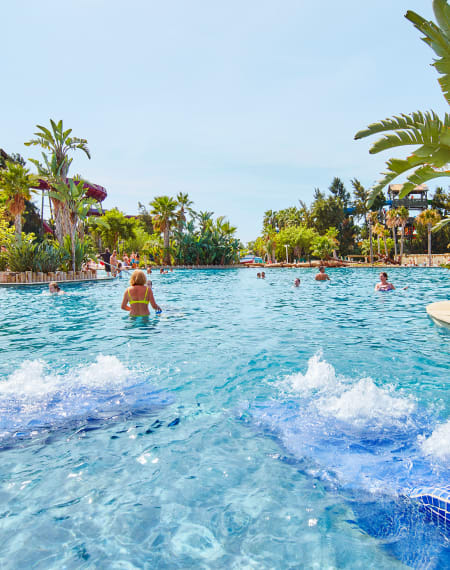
[
  {"x": 83, "y": 251},
  {"x": 49, "y": 257},
  {"x": 20, "y": 256}
]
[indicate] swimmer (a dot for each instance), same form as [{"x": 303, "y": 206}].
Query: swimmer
[
  {"x": 53, "y": 287},
  {"x": 297, "y": 282},
  {"x": 138, "y": 296},
  {"x": 161, "y": 271},
  {"x": 322, "y": 276},
  {"x": 149, "y": 270},
  {"x": 383, "y": 285},
  {"x": 119, "y": 270},
  {"x": 263, "y": 275},
  {"x": 258, "y": 276}
]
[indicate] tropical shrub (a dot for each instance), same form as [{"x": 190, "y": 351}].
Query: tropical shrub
[
  {"x": 83, "y": 250},
  {"x": 49, "y": 257},
  {"x": 20, "y": 255}
]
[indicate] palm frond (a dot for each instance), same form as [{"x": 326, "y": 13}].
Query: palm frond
[{"x": 438, "y": 38}]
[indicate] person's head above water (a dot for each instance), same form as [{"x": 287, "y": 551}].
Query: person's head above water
[
  {"x": 383, "y": 276},
  {"x": 263, "y": 275},
  {"x": 53, "y": 287},
  {"x": 322, "y": 269},
  {"x": 258, "y": 275},
  {"x": 138, "y": 278},
  {"x": 296, "y": 282}
]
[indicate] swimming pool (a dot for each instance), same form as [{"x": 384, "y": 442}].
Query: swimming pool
[{"x": 251, "y": 425}]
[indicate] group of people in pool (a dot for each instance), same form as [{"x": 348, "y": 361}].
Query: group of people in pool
[{"x": 139, "y": 295}]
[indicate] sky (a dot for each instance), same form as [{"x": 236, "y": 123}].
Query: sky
[{"x": 246, "y": 105}]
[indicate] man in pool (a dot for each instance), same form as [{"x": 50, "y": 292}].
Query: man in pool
[
  {"x": 263, "y": 275},
  {"x": 106, "y": 257},
  {"x": 322, "y": 276},
  {"x": 297, "y": 282}
]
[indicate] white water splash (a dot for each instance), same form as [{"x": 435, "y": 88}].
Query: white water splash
[
  {"x": 438, "y": 444},
  {"x": 32, "y": 380},
  {"x": 359, "y": 403},
  {"x": 32, "y": 396}
]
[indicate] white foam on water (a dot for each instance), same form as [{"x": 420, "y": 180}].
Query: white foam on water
[
  {"x": 438, "y": 444},
  {"x": 33, "y": 395},
  {"x": 365, "y": 403},
  {"x": 32, "y": 380},
  {"x": 356, "y": 431},
  {"x": 360, "y": 403},
  {"x": 319, "y": 376}
]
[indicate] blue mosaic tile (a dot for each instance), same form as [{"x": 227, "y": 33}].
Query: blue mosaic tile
[{"x": 436, "y": 501}]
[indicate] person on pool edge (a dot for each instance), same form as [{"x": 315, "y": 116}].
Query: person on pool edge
[{"x": 138, "y": 296}]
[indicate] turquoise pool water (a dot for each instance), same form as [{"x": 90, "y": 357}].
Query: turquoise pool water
[{"x": 251, "y": 425}]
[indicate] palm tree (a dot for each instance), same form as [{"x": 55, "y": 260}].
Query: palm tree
[
  {"x": 428, "y": 218},
  {"x": 372, "y": 219},
  {"x": 204, "y": 218},
  {"x": 392, "y": 221},
  {"x": 403, "y": 217},
  {"x": 184, "y": 204},
  {"x": 73, "y": 194},
  {"x": 427, "y": 130},
  {"x": 58, "y": 143},
  {"x": 164, "y": 212},
  {"x": 15, "y": 184}
]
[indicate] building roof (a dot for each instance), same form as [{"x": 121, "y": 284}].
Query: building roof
[{"x": 397, "y": 188}]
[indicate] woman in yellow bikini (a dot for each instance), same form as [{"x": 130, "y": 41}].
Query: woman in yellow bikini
[{"x": 138, "y": 296}]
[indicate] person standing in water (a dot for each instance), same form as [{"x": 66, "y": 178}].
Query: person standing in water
[
  {"x": 106, "y": 256},
  {"x": 138, "y": 296},
  {"x": 383, "y": 284},
  {"x": 322, "y": 276}
]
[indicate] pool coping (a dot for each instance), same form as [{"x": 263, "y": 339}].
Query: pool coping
[
  {"x": 440, "y": 312},
  {"x": 34, "y": 283}
]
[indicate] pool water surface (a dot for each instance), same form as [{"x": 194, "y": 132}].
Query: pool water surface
[{"x": 250, "y": 425}]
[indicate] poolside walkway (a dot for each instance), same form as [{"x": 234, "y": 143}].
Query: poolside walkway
[{"x": 440, "y": 312}]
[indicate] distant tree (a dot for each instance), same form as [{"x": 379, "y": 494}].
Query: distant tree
[
  {"x": 184, "y": 207},
  {"x": 361, "y": 197},
  {"x": 145, "y": 218},
  {"x": 392, "y": 222},
  {"x": 114, "y": 225},
  {"x": 428, "y": 218},
  {"x": 15, "y": 187},
  {"x": 58, "y": 143},
  {"x": 338, "y": 190},
  {"x": 403, "y": 217},
  {"x": 164, "y": 216}
]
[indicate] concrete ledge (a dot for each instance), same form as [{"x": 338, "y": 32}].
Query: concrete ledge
[
  {"x": 440, "y": 312},
  {"x": 62, "y": 283}
]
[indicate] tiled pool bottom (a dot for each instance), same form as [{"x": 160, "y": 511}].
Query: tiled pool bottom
[{"x": 216, "y": 435}]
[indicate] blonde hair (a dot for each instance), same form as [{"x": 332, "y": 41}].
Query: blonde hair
[{"x": 138, "y": 278}]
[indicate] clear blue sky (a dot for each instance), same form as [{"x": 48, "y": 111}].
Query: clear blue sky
[{"x": 246, "y": 105}]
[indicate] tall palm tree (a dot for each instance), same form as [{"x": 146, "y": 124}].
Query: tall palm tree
[
  {"x": 403, "y": 217},
  {"x": 428, "y": 218},
  {"x": 431, "y": 134},
  {"x": 164, "y": 212},
  {"x": 78, "y": 205},
  {"x": 392, "y": 222},
  {"x": 372, "y": 219},
  {"x": 184, "y": 207},
  {"x": 58, "y": 143},
  {"x": 15, "y": 184}
]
